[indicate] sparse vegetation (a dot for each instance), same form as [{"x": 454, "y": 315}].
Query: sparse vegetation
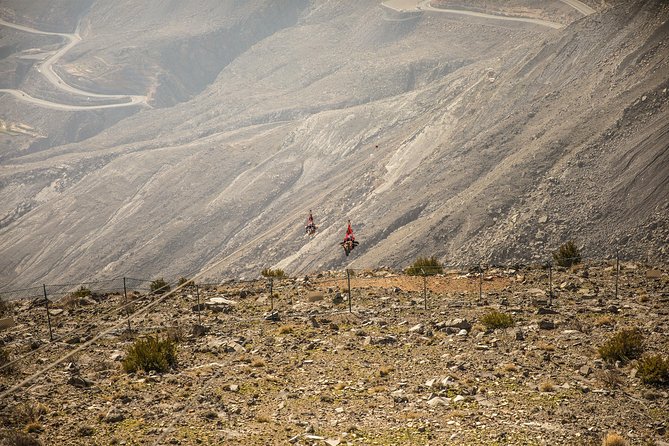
[
  {"x": 258, "y": 362},
  {"x": 151, "y": 354},
  {"x": 654, "y": 369},
  {"x": 275, "y": 273},
  {"x": 425, "y": 266},
  {"x": 546, "y": 386},
  {"x": 613, "y": 439},
  {"x": 386, "y": 370},
  {"x": 495, "y": 319},
  {"x": 285, "y": 329},
  {"x": 83, "y": 291},
  {"x": 567, "y": 255},
  {"x": 159, "y": 286},
  {"x": 4, "y": 308},
  {"x": 185, "y": 282},
  {"x": 623, "y": 346},
  {"x": 5, "y": 359}
]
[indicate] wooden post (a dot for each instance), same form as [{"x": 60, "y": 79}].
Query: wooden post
[
  {"x": 550, "y": 284},
  {"x": 271, "y": 294},
  {"x": 480, "y": 283},
  {"x": 425, "y": 290},
  {"x": 617, "y": 271},
  {"x": 127, "y": 306},
  {"x": 348, "y": 279},
  {"x": 48, "y": 316},
  {"x": 197, "y": 293}
]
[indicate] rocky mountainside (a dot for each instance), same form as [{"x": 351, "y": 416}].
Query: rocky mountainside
[{"x": 466, "y": 137}]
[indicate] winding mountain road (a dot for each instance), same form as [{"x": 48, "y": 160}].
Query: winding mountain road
[
  {"x": 46, "y": 69},
  {"x": 424, "y": 5}
]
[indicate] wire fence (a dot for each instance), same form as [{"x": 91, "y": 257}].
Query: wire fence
[
  {"x": 54, "y": 319},
  {"x": 429, "y": 286}
]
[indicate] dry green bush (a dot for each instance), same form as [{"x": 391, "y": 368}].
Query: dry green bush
[
  {"x": 654, "y": 369},
  {"x": 159, "y": 286},
  {"x": 4, "y": 308},
  {"x": 567, "y": 255},
  {"x": 623, "y": 346},
  {"x": 495, "y": 319},
  {"x": 185, "y": 282},
  {"x": 5, "y": 368},
  {"x": 425, "y": 266},
  {"x": 276, "y": 273},
  {"x": 151, "y": 354}
]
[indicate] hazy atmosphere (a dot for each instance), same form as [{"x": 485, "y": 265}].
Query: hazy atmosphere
[{"x": 190, "y": 141}]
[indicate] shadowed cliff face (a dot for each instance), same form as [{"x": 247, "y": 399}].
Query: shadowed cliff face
[{"x": 463, "y": 137}]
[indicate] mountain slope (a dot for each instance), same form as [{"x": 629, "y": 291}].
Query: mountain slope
[{"x": 435, "y": 134}]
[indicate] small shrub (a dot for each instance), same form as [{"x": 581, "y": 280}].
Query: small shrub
[
  {"x": 386, "y": 370},
  {"x": 509, "y": 368},
  {"x": 20, "y": 439},
  {"x": 159, "y": 286},
  {"x": 257, "y": 362},
  {"x": 277, "y": 273},
  {"x": 86, "y": 431},
  {"x": 185, "y": 282},
  {"x": 28, "y": 413},
  {"x": 263, "y": 418},
  {"x": 33, "y": 427},
  {"x": 81, "y": 292},
  {"x": 496, "y": 319},
  {"x": 623, "y": 346},
  {"x": 545, "y": 346},
  {"x": 654, "y": 369},
  {"x": 4, "y": 308},
  {"x": 424, "y": 266},
  {"x": 5, "y": 369},
  {"x": 151, "y": 354},
  {"x": 610, "y": 377},
  {"x": 286, "y": 329},
  {"x": 546, "y": 386},
  {"x": 567, "y": 255},
  {"x": 613, "y": 440}
]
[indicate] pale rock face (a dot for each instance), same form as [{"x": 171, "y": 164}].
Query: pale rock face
[{"x": 466, "y": 137}]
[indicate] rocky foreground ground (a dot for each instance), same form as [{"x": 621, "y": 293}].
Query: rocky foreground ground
[{"x": 303, "y": 369}]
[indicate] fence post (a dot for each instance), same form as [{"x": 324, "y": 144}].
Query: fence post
[
  {"x": 127, "y": 306},
  {"x": 617, "y": 271},
  {"x": 480, "y": 283},
  {"x": 271, "y": 294},
  {"x": 550, "y": 284},
  {"x": 48, "y": 316},
  {"x": 348, "y": 279},
  {"x": 424, "y": 288},
  {"x": 197, "y": 293}
]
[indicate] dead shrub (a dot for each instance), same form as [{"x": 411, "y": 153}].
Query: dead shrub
[
  {"x": 546, "y": 386},
  {"x": 386, "y": 370},
  {"x": 286, "y": 329},
  {"x": 613, "y": 439},
  {"x": 258, "y": 362}
]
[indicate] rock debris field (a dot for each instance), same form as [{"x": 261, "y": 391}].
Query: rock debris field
[{"x": 300, "y": 368}]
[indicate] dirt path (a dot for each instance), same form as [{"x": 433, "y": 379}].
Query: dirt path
[
  {"x": 46, "y": 69},
  {"x": 580, "y": 6},
  {"x": 413, "y": 5}
]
